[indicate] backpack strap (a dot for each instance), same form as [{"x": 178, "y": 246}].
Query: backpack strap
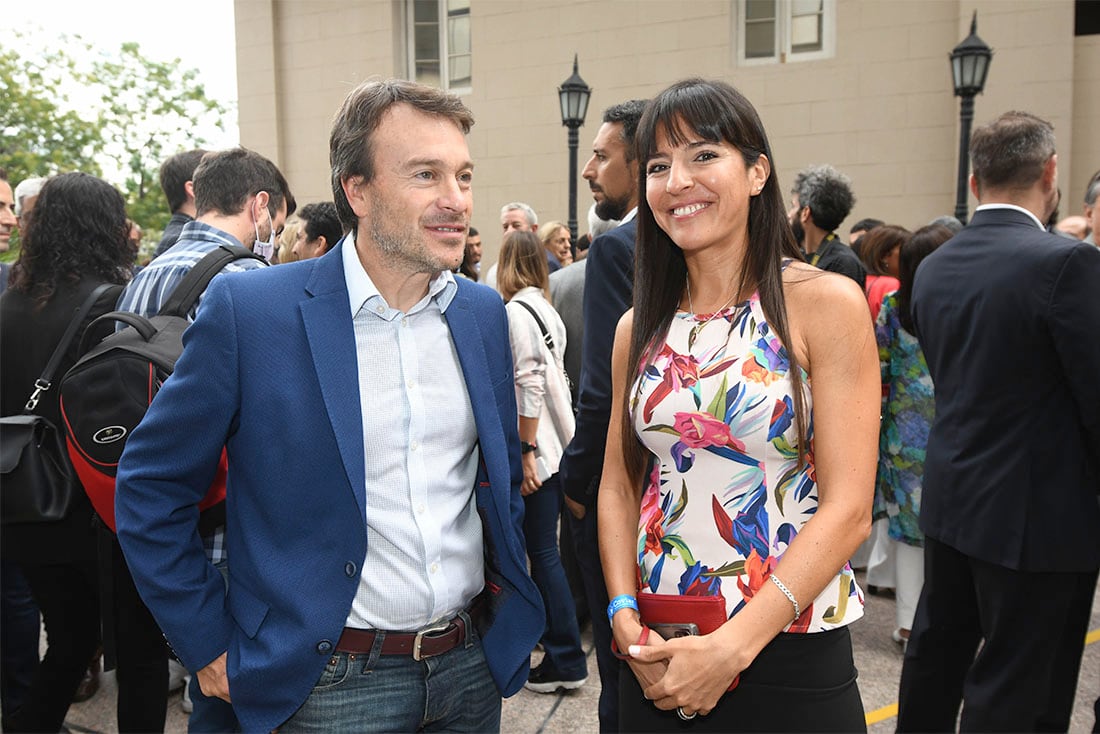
[
  {"x": 185, "y": 295},
  {"x": 43, "y": 383},
  {"x": 542, "y": 327}
]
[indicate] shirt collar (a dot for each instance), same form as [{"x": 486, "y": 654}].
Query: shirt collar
[
  {"x": 442, "y": 288},
  {"x": 1034, "y": 218},
  {"x": 629, "y": 215}
]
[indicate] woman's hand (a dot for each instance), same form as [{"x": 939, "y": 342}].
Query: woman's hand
[
  {"x": 699, "y": 670},
  {"x": 531, "y": 482},
  {"x": 627, "y": 630}
]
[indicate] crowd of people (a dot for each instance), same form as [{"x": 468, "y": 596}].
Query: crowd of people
[{"x": 491, "y": 457}]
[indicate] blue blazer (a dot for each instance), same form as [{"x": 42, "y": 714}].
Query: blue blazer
[
  {"x": 269, "y": 372},
  {"x": 1008, "y": 317}
]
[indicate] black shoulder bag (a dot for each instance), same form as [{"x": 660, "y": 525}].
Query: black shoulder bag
[{"x": 37, "y": 480}]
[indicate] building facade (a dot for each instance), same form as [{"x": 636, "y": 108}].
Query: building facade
[{"x": 864, "y": 85}]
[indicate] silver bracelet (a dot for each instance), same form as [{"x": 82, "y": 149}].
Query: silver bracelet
[{"x": 787, "y": 593}]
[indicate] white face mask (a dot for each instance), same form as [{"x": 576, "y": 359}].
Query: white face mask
[{"x": 266, "y": 250}]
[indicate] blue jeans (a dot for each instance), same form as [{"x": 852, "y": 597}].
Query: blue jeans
[
  {"x": 19, "y": 632},
  {"x": 371, "y": 692},
  {"x": 562, "y": 639},
  {"x": 586, "y": 542}
]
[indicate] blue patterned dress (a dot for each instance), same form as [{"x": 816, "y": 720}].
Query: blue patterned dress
[{"x": 907, "y": 414}]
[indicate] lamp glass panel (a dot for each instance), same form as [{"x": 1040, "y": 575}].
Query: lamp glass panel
[
  {"x": 956, "y": 72},
  {"x": 981, "y": 68}
]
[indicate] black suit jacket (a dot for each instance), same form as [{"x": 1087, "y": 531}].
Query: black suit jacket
[
  {"x": 1008, "y": 317},
  {"x": 28, "y": 337},
  {"x": 608, "y": 293}
]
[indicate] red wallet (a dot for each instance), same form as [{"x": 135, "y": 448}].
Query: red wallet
[{"x": 707, "y": 612}]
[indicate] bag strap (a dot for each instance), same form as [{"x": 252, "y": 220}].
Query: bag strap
[
  {"x": 42, "y": 384},
  {"x": 542, "y": 327},
  {"x": 194, "y": 283}
]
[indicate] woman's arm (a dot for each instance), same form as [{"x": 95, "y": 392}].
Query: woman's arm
[
  {"x": 529, "y": 359},
  {"x": 834, "y": 340},
  {"x": 619, "y": 506}
]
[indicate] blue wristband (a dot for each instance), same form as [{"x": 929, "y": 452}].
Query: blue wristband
[{"x": 620, "y": 602}]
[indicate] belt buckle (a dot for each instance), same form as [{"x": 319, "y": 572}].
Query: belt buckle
[{"x": 441, "y": 627}]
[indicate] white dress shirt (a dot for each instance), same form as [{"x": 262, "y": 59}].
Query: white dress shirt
[{"x": 424, "y": 537}]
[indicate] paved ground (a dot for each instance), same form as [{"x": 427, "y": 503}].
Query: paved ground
[{"x": 877, "y": 657}]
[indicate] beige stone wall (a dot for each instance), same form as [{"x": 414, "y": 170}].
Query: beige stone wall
[{"x": 881, "y": 109}]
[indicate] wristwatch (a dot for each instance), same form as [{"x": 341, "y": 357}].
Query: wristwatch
[{"x": 526, "y": 448}]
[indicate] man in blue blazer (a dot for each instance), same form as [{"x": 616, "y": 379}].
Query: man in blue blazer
[
  {"x": 1007, "y": 315},
  {"x": 367, "y": 405}
]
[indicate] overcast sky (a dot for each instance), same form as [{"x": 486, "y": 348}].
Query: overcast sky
[{"x": 198, "y": 32}]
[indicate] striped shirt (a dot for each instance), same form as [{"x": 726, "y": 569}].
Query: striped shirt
[{"x": 153, "y": 285}]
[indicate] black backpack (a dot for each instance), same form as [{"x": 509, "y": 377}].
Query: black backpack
[{"x": 108, "y": 391}]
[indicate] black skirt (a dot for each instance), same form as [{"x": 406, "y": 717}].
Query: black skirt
[{"x": 798, "y": 683}]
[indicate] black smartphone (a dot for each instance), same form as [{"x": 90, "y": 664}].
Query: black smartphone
[{"x": 675, "y": 629}]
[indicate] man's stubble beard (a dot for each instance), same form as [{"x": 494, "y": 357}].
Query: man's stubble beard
[
  {"x": 408, "y": 247},
  {"x": 612, "y": 209}
]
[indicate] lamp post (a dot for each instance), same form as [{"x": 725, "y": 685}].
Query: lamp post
[
  {"x": 573, "y": 95},
  {"x": 969, "y": 67}
]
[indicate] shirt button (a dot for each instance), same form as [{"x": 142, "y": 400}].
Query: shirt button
[
  {"x": 324, "y": 647},
  {"x": 349, "y": 569},
  {"x": 420, "y": 508},
  {"x": 380, "y": 309},
  {"x": 414, "y": 446},
  {"x": 404, "y": 322},
  {"x": 434, "y": 568}
]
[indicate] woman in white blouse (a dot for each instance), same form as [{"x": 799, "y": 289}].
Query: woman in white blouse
[{"x": 537, "y": 335}]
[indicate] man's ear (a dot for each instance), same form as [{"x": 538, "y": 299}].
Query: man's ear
[
  {"x": 189, "y": 189},
  {"x": 323, "y": 245},
  {"x": 1050, "y": 173},
  {"x": 974, "y": 189},
  {"x": 354, "y": 190},
  {"x": 263, "y": 199}
]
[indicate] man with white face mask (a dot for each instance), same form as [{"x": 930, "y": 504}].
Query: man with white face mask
[{"x": 241, "y": 198}]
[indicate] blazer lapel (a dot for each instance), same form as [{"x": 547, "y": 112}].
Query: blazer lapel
[{"x": 331, "y": 336}]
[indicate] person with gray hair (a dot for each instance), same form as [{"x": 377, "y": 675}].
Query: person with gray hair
[
  {"x": 26, "y": 193},
  {"x": 518, "y": 216},
  {"x": 821, "y": 198},
  {"x": 1007, "y": 315},
  {"x": 1092, "y": 210}
]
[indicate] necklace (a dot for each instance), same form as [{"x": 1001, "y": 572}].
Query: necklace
[{"x": 703, "y": 322}]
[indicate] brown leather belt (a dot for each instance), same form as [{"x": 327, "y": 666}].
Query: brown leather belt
[{"x": 423, "y": 644}]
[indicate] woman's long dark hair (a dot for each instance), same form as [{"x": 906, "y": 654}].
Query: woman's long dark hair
[
  {"x": 713, "y": 111},
  {"x": 922, "y": 244},
  {"x": 78, "y": 229}
]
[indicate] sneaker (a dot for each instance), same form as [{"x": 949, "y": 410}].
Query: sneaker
[
  {"x": 544, "y": 679},
  {"x": 185, "y": 700},
  {"x": 177, "y": 675}
]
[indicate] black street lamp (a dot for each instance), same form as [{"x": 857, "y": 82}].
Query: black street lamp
[
  {"x": 969, "y": 67},
  {"x": 573, "y": 95}
]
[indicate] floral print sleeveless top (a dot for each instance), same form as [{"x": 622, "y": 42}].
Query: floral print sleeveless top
[{"x": 725, "y": 495}]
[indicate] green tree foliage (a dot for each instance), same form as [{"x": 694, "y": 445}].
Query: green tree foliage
[{"x": 116, "y": 114}]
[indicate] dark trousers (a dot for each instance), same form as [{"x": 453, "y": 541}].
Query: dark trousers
[
  {"x": 1024, "y": 678},
  {"x": 67, "y": 596},
  {"x": 798, "y": 683},
  {"x": 586, "y": 544},
  {"x": 19, "y": 632},
  {"x": 139, "y": 651}
]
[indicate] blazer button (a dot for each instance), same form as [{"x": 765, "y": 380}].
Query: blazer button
[
  {"x": 349, "y": 569},
  {"x": 324, "y": 647}
]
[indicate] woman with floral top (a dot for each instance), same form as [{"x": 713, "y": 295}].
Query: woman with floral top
[
  {"x": 907, "y": 411},
  {"x": 741, "y": 452}
]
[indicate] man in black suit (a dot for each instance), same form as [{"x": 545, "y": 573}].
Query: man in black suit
[
  {"x": 1007, "y": 315},
  {"x": 821, "y": 198},
  {"x": 612, "y": 174}
]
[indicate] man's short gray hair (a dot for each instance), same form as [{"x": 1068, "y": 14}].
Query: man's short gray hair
[
  {"x": 27, "y": 187},
  {"x": 827, "y": 192},
  {"x": 528, "y": 212}
]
